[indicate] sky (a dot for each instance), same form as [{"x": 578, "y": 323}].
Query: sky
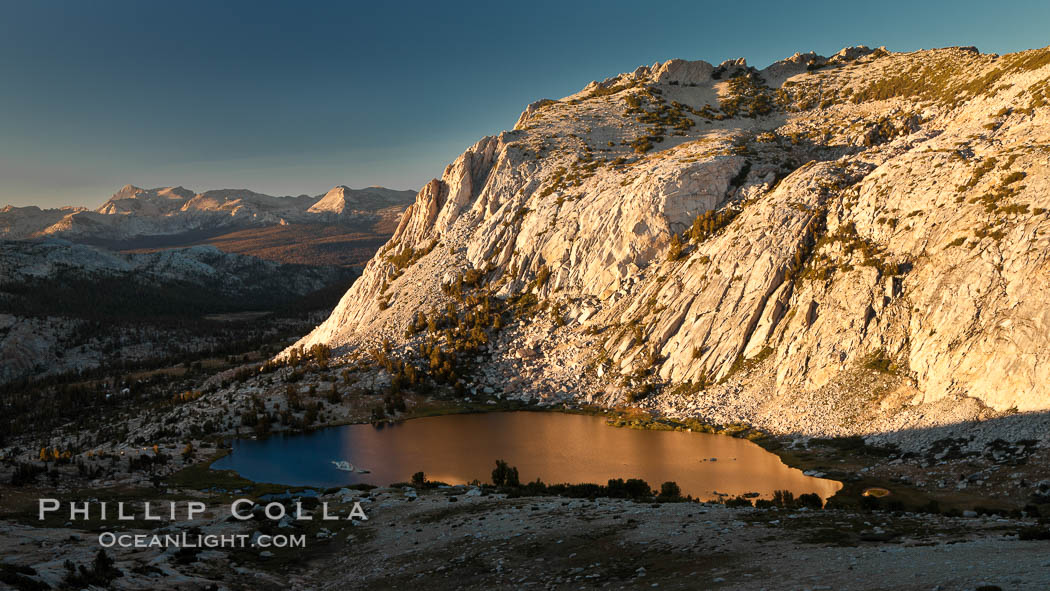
[{"x": 290, "y": 98}]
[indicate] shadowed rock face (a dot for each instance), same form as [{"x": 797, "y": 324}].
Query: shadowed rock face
[{"x": 872, "y": 215}]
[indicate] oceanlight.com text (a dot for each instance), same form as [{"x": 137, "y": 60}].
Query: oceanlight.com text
[{"x": 188, "y": 540}]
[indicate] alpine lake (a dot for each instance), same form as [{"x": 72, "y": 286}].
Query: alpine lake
[{"x": 554, "y": 447}]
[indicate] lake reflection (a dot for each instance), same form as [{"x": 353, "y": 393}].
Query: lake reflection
[{"x": 554, "y": 447}]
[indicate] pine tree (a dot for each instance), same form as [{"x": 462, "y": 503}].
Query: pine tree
[{"x": 674, "y": 250}]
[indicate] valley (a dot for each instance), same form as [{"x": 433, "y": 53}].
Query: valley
[{"x": 304, "y": 244}]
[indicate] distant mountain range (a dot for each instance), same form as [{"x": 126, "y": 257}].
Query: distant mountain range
[
  {"x": 133, "y": 212},
  {"x": 81, "y": 288}
]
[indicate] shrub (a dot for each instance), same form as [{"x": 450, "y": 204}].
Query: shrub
[
  {"x": 542, "y": 275},
  {"x": 1013, "y": 177},
  {"x": 641, "y": 145},
  {"x": 556, "y": 316},
  {"x": 669, "y": 491},
  {"x": 878, "y": 361},
  {"x": 810, "y": 500},
  {"x": 408, "y": 256},
  {"x": 737, "y": 502}
]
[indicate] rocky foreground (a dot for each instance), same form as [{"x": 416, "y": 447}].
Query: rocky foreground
[
  {"x": 574, "y": 544},
  {"x": 472, "y": 538},
  {"x": 961, "y": 514}
]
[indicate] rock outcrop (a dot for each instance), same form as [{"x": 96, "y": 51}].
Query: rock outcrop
[{"x": 854, "y": 238}]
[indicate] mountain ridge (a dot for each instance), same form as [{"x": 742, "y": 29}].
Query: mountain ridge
[{"x": 135, "y": 212}]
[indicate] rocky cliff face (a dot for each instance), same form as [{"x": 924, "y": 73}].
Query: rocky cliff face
[{"x": 857, "y": 242}]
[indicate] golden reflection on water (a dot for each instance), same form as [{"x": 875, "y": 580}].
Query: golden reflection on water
[{"x": 557, "y": 448}]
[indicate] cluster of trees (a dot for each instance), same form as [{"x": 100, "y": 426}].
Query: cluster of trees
[
  {"x": 783, "y": 499},
  {"x": 453, "y": 335},
  {"x": 26, "y": 473},
  {"x": 661, "y": 116},
  {"x": 318, "y": 356},
  {"x": 301, "y": 360},
  {"x": 403, "y": 374},
  {"x": 710, "y": 222},
  {"x": 53, "y": 455},
  {"x": 256, "y": 417},
  {"x": 147, "y": 463},
  {"x": 506, "y": 476},
  {"x": 407, "y": 256},
  {"x": 393, "y": 403},
  {"x": 675, "y": 249},
  {"x": 187, "y": 396}
]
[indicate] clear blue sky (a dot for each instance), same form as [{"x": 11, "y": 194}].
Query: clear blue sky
[{"x": 291, "y": 98}]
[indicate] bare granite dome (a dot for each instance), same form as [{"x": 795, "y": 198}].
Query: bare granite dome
[{"x": 824, "y": 245}]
